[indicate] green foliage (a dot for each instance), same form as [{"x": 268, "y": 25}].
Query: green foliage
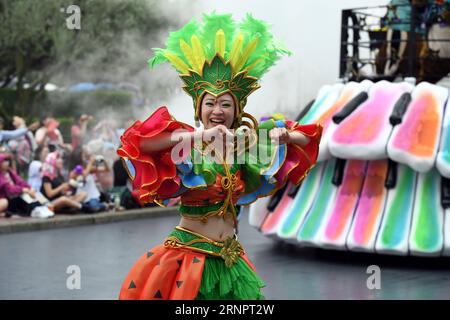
[
  {"x": 68, "y": 104},
  {"x": 36, "y": 45},
  {"x": 90, "y": 102},
  {"x": 8, "y": 99}
]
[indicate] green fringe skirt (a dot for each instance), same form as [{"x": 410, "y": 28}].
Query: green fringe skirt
[{"x": 238, "y": 282}]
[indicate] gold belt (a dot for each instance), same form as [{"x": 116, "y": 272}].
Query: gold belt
[{"x": 230, "y": 250}]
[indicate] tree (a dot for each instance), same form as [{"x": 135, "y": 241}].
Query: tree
[{"x": 36, "y": 45}]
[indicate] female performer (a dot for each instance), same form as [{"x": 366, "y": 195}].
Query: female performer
[{"x": 231, "y": 162}]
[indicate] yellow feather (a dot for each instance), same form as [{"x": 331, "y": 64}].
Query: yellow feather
[
  {"x": 199, "y": 54},
  {"x": 187, "y": 50},
  {"x": 220, "y": 43},
  {"x": 177, "y": 62},
  {"x": 246, "y": 54},
  {"x": 250, "y": 67},
  {"x": 236, "y": 49}
]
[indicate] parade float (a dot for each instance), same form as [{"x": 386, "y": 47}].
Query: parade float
[{"x": 382, "y": 180}]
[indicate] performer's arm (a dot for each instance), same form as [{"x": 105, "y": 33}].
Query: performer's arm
[
  {"x": 282, "y": 135},
  {"x": 298, "y": 138},
  {"x": 169, "y": 139}
]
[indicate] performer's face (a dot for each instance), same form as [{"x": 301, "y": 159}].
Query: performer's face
[{"x": 217, "y": 110}]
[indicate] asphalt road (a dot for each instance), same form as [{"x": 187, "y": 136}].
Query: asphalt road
[{"x": 33, "y": 265}]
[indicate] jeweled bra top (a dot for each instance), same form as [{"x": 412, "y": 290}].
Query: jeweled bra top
[{"x": 217, "y": 198}]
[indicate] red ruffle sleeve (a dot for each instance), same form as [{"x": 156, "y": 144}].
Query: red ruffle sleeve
[
  {"x": 300, "y": 159},
  {"x": 155, "y": 175}
]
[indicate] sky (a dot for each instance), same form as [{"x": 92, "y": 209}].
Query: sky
[{"x": 309, "y": 28}]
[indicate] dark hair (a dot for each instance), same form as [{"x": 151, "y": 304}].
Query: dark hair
[
  {"x": 76, "y": 116},
  {"x": 38, "y": 151},
  {"x": 44, "y": 116},
  {"x": 51, "y": 147}
]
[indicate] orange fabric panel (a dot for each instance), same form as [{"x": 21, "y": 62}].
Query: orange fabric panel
[
  {"x": 163, "y": 273},
  {"x": 137, "y": 276},
  {"x": 188, "y": 279}
]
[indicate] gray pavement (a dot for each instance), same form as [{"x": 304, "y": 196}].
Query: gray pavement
[
  {"x": 20, "y": 224},
  {"x": 33, "y": 265}
]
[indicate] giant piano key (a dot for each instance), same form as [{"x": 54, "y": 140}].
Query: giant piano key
[
  {"x": 324, "y": 200},
  {"x": 415, "y": 141},
  {"x": 349, "y": 92},
  {"x": 447, "y": 232},
  {"x": 369, "y": 212},
  {"x": 304, "y": 111},
  {"x": 326, "y": 97},
  {"x": 445, "y": 202},
  {"x": 294, "y": 215},
  {"x": 262, "y": 210},
  {"x": 365, "y": 132},
  {"x": 336, "y": 226},
  {"x": 258, "y": 212},
  {"x": 426, "y": 237},
  {"x": 393, "y": 236},
  {"x": 272, "y": 220},
  {"x": 443, "y": 157}
]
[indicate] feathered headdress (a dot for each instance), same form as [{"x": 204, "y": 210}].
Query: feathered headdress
[{"x": 218, "y": 56}]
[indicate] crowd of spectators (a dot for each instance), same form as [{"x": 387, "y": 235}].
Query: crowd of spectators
[{"x": 43, "y": 175}]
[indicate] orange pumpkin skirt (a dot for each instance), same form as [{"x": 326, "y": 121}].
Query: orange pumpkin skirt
[{"x": 188, "y": 267}]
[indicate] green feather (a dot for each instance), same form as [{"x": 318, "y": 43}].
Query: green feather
[
  {"x": 262, "y": 57},
  {"x": 252, "y": 28},
  {"x": 211, "y": 24},
  {"x": 266, "y": 48},
  {"x": 158, "y": 58},
  {"x": 173, "y": 44},
  {"x": 185, "y": 33}
]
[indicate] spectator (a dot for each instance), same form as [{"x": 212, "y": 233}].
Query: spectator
[
  {"x": 122, "y": 186},
  {"x": 85, "y": 182},
  {"x": 14, "y": 134},
  {"x": 120, "y": 174},
  {"x": 104, "y": 177},
  {"x": 78, "y": 133},
  {"x": 54, "y": 188},
  {"x": 78, "y": 130},
  {"x": 105, "y": 130},
  {"x": 35, "y": 168},
  {"x": 3, "y": 207},
  {"x": 102, "y": 151},
  {"x": 23, "y": 147},
  {"x": 49, "y": 135},
  {"x": 21, "y": 197}
]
